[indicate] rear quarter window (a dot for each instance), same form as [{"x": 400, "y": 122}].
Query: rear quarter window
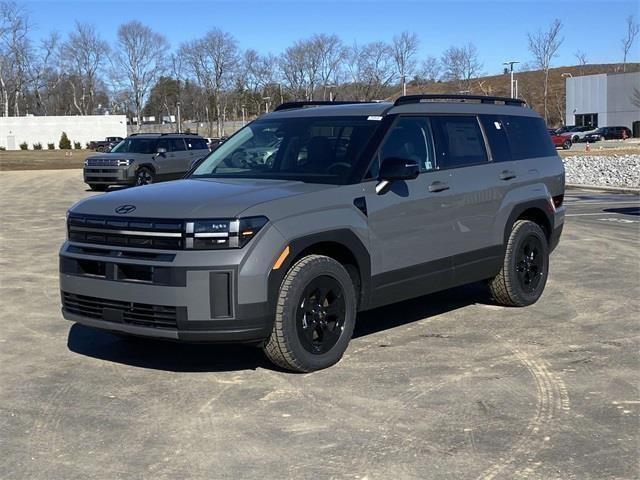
[{"x": 528, "y": 137}]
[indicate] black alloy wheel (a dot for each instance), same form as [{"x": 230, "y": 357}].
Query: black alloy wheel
[
  {"x": 530, "y": 264},
  {"x": 321, "y": 314}
]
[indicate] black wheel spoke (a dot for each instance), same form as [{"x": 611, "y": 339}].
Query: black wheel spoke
[{"x": 321, "y": 315}]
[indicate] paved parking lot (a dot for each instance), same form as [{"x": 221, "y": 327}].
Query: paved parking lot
[{"x": 444, "y": 386}]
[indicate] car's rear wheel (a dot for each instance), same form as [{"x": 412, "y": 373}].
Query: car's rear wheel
[
  {"x": 525, "y": 268},
  {"x": 98, "y": 187},
  {"x": 144, "y": 176},
  {"x": 315, "y": 315},
  {"x": 566, "y": 145}
]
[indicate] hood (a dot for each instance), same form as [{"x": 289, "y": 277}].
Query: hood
[{"x": 201, "y": 198}]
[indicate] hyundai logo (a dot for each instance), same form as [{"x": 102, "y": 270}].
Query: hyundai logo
[{"x": 122, "y": 209}]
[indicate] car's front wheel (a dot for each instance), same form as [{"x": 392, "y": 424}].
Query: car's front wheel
[
  {"x": 315, "y": 315},
  {"x": 525, "y": 267},
  {"x": 566, "y": 145},
  {"x": 144, "y": 176}
]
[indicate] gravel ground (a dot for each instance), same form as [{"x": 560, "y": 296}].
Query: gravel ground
[{"x": 615, "y": 170}]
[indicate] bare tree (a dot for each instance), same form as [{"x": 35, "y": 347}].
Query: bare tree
[
  {"x": 84, "y": 55},
  {"x": 257, "y": 72},
  {"x": 212, "y": 60},
  {"x": 544, "y": 46},
  {"x": 430, "y": 69},
  {"x": 633, "y": 28},
  {"x": 43, "y": 71},
  {"x": 404, "y": 48},
  {"x": 331, "y": 53},
  {"x": 15, "y": 51},
  {"x": 582, "y": 60},
  {"x": 461, "y": 64},
  {"x": 371, "y": 69},
  {"x": 301, "y": 65},
  {"x": 139, "y": 61}
]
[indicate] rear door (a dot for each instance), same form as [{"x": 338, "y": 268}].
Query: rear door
[
  {"x": 179, "y": 156},
  {"x": 411, "y": 224},
  {"x": 479, "y": 188},
  {"x": 196, "y": 149}
]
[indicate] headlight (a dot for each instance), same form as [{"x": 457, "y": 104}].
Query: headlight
[{"x": 220, "y": 234}]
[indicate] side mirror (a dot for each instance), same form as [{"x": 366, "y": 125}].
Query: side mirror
[
  {"x": 394, "y": 169},
  {"x": 161, "y": 150}
]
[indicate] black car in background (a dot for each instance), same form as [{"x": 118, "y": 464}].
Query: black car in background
[{"x": 613, "y": 133}]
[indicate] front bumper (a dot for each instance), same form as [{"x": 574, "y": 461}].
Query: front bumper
[
  {"x": 105, "y": 175},
  {"x": 196, "y": 296}
]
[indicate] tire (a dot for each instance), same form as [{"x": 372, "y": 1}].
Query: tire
[
  {"x": 306, "y": 335},
  {"x": 575, "y": 139},
  {"x": 566, "y": 145},
  {"x": 144, "y": 176},
  {"x": 526, "y": 257},
  {"x": 98, "y": 187}
]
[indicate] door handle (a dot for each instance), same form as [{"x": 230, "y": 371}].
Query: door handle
[
  {"x": 438, "y": 187},
  {"x": 507, "y": 175}
]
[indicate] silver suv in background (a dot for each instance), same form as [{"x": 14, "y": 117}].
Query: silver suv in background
[
  {"x": 314, "y": 212},
  {"x": 146, "y": 158}
]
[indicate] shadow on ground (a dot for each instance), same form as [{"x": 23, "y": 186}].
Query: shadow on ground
[{"x": 189, "y": 357}]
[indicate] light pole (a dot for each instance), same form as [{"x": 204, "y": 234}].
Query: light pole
[
  {"x": 266, "y": 103},
  {"x": 179, "y": 119},
  {"x": 511, "y": 63}
]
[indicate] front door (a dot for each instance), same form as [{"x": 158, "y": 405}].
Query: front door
[{"x": 410, "y": 224}]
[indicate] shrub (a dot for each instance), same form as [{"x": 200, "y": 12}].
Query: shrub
[
  {"x": 65, "y": 143},
  {"x": 77, "y": 146},
  {"x": 2, "y": 149},
  {"x": 87, "y": 146},
  {"x": 51, "y": 146},
  {"x": 37, "y": 146},
  {"x": 24, "y": 146}
]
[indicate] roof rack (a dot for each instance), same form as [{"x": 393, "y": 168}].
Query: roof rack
[
  {"x": 162, "y": 134},
  {"x": 407, "y": 99},
  {"x": 319, "y": 103}
]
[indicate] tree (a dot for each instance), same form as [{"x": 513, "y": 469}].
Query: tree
[
  {"x": 301, "y": 65},
  {"x": 139, "y": 60},
  {"x": 15, "y": 52},
  {"x": 582, "y": 60},
  {"x": 371, "y": 68},
  {"x": 627, "y": 42},
  {"x": 331, "y": 53},
  {"x": 84, "y": 54},
  {"x": 461, "y": 64},
  {"x": 430, "y": 69},
  {"x": 213, "y": 61},
  {"x": 544, "y": 46},
  {"x": 405, "y": 48}
]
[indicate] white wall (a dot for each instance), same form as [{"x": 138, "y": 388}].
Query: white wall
[
  {"x": 621, "y": 110},
  {"x": 587, "y": 94},
  {"x": 83, "y": 129}
]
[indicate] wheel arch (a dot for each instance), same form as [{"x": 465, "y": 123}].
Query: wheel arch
[
  {"x": 537, "y": 211},
  {"x": 343, "y": 245}
]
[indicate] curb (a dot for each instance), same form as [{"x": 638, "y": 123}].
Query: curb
[{"x": 630, "y": 190}]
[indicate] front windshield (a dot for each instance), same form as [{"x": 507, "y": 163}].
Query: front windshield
[
  {"x": 135, "y": 145},
  {"x": 308, "y": 149}
]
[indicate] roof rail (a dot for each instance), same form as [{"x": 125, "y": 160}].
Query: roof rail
[
  {"x": 311, "y": 103},
  {"x": 458, "y": 98}
]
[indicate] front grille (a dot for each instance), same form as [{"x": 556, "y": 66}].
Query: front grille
[
  {"x": 118, "y": 231},
  {"x": 103, "y": 162},
  {"x": 117, "y": 311}
]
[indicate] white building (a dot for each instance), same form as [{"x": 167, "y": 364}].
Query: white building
[
  {"x": 44, "y": 130},
  {"x": 603, "y": 100}
]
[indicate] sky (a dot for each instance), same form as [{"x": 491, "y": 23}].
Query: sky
[{"x": 497, "y": 28}]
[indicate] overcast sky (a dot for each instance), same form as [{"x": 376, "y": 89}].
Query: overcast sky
[{"x": 498, "y": 28}]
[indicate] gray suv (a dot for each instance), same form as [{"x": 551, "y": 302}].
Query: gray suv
[
  {"x": 146, "y": 158},
  {"x": 315, "y": 212}
]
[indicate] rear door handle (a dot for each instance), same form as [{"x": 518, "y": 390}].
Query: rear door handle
[
  {"x": 438, "y": 187},
  {"x": 507, "y": 175}
]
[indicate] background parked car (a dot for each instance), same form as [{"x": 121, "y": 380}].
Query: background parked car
[
  {"x": 614, "y": 133},
  {"x": 104, "y": 145},
  {"x": 564, "y": 129},
  {"x": 560, "y": 140},
  {"x": 577, "y": 134}
]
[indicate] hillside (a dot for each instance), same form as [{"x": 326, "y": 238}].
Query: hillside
[{"x": 530, "y": 86}]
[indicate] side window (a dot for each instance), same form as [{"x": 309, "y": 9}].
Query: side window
[
  {"x": 459, "y": 141},
  {"x": 162, "y": 143},
  {"x": 496, "y": 134},
  {"x": 528, "y": 137},
  {"x": 177, "y": 144},
  {"x": 409, "y": 138}
]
